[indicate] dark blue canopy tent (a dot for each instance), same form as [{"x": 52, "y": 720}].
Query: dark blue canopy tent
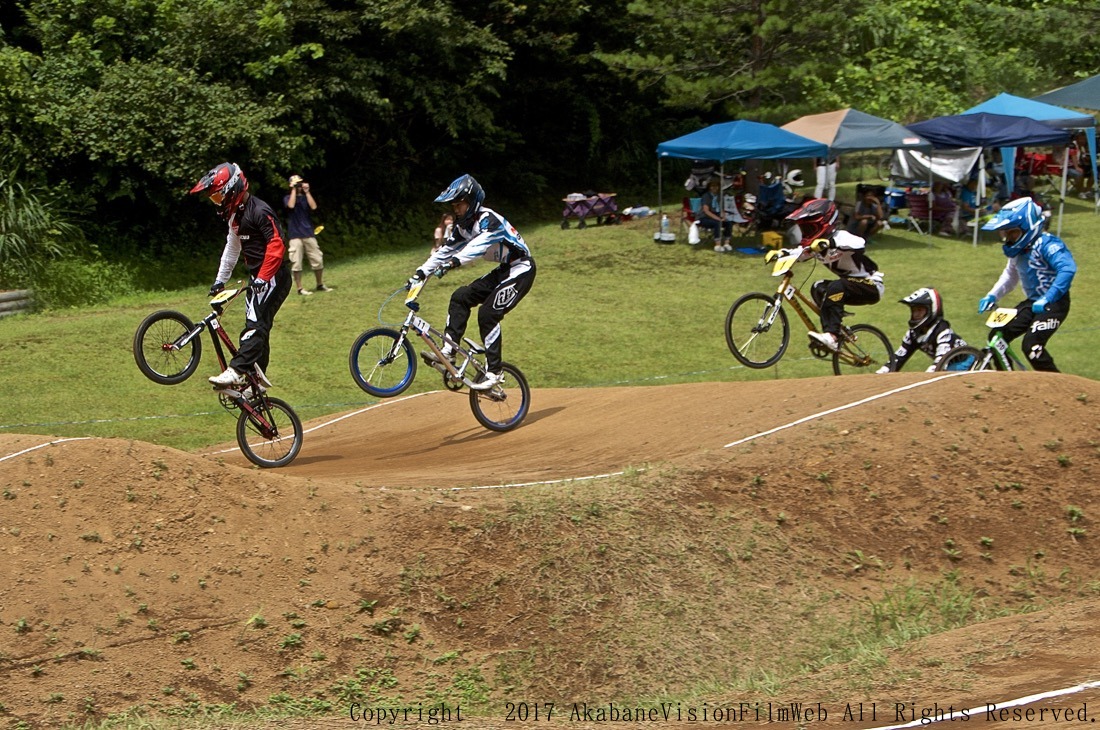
[
  {"x": 982, "y": 129},
  {"x": 737, "y": 140},
  {"x": 1050, "y": 115}
]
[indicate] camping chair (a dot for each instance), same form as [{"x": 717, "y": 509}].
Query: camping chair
[
  {"x": 919, "y": 211},
  {"x": 771, "y": 207},
  {"x": 689, "y": 213}
]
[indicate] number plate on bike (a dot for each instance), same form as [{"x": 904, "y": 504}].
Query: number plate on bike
[
  {"x": 1001, "y": 345},
  {"x": 788, "y": 293},
  {"x": 1000, "y": 317},
  {"x": 419, "y": 324}
]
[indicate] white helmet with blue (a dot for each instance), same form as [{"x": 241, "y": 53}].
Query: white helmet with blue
[{"x": 1020, "y": 213}]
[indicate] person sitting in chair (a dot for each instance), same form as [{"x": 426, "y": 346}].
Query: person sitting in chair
[
  {"x": 712, "y": 218},
  {"x": 868, "y": 217}
]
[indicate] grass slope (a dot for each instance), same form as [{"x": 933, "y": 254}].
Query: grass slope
[{"x": 609, "y": 307}]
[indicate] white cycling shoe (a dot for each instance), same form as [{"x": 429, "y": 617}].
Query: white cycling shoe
[{"x": 489, "y": 381}]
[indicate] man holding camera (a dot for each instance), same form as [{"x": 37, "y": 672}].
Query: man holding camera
[{"x": 303, "y": 239}]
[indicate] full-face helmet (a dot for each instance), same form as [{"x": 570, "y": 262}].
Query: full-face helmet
[
  {"x": 225, "y": 186},
  {"x": 464, "y": 188},
  {"x": 816, "y": 219},
  {"x": 1023, "y": 215},
  {"x": 925, "y": 309}
]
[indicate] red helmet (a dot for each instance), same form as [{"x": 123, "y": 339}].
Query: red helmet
[
  {"x": 225, "y": 186},
  {"x": 816, "y": 219}
]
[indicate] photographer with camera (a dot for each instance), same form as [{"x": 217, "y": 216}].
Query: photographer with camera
[{"x": 303, "y": 239}]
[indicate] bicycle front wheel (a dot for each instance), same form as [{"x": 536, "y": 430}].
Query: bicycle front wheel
[
  {"x": 865, "y": 350},
  {"x": 155, "y": 350},
  {"x": 757, "y": 330},
  {"x": 274, "y": 443},
  {"x": 506, "y": 405},
  {"x": 382, "y": 362},
  {"x": 966, "y": 357}
]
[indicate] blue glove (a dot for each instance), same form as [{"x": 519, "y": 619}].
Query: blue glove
[
  {"x": 415, "y": 279},
  {"x": 216, "y": 287},
  {"x": 1039, "y": 305},
  {"x": 258, "y": 285},
  {"x": 987, "y": 303}
]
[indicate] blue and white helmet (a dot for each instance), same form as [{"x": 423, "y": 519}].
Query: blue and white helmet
[
  {"x": 1020, "y": 213},
  {"x": 468, "y": 189}
]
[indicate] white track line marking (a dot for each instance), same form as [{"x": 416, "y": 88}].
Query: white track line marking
[
  {"x": 48, "y": 443},
  {"x": 341, "y": 418},
  {"x": 844, "y": 407},
  {"x": 976, "y": 712}
]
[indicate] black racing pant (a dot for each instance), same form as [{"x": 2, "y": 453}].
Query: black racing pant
[
  {"x": 1037, "y": 329},
  {"x": 497, "y": 293},
  {"x": 259, "y": 315},
  {"x": 832, "y": 295}
]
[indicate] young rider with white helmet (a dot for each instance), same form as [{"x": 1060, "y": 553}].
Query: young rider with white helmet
[
  {"x": 928, "y": 331},
  {"x": 480, "y": 233},
  {"x": 1044, "y": 268}
]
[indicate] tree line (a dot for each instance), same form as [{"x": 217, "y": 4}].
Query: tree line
[{"x": 111, "y": 109}]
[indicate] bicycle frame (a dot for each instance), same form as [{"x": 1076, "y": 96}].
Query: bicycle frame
[
  {"x": 799, "y": 302},
  {"x": 231, "y": 397},
  {"x": 997, "y": 347},
  {"x": 427, "y": 334},
  {"x": 218, "y": 335}
]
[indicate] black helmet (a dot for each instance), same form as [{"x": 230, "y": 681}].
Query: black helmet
[
  {"x": 930, "y": 301},
  {"x": 816, "y": 219},
  {"x": 468, "y": 189},
  {"x": 225, "y": 186}
]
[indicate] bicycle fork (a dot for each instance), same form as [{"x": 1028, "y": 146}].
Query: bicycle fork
[{"x": 767, "y": 319}]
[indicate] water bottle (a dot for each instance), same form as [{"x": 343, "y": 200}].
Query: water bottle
[{"x": 664, "y": 224}]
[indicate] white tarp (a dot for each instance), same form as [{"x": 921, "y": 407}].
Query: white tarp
[{"x": 951, "y": 166}]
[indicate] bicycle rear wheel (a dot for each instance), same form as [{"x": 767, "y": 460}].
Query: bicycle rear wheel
[
  {"x": 155, "y": 352},
  {"x": 865, "y": 351},
  {"x": 966, "y": 357},
  {"x": 506, "y": 405},
  {"x": 382, "y": 362},
  {"x": 757, "y": 333},
  {"x": 277, "y": 442}
]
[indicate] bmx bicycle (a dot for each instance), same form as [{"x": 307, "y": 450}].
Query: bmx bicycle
[
  {"x": 167, "y": 348},
  {"x": 758, "y": 330},
  {"x": 383, "y": 363},
  {"x": 997, "y": 353}
]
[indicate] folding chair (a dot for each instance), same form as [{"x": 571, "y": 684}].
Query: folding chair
[
  {"x": 919, "y": 211},
  {"x": 689, "y": 213}
]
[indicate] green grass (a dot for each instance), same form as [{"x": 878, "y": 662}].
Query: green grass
[{"x": 609, "y": 307}]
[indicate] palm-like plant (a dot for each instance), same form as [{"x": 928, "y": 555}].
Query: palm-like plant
[{"x": 32, "y": 232}]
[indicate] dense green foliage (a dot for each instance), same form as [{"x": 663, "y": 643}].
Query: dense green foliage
[{"x": 118, "y": 106}]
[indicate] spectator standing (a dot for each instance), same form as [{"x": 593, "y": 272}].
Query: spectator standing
[
  {"x": 826, "y": 168},
  {"x": 443, "y": 230},
  {"x": 299, "y": 203}
]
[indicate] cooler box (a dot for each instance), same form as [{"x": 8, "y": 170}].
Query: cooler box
[{"x": 771, "y": 239}]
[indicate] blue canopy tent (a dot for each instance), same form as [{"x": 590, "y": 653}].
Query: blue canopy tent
[
  {"x": 1050, "y": 115},
  {"x": 982, "y": 129},
  {"x": 1082, "y": 95},
  {"x": 737, "y": 140}
]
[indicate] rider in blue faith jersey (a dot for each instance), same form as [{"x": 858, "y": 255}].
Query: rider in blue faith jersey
[
  {"x": 1044, "y": 268},
  {"x": 480, "y": 233}
]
